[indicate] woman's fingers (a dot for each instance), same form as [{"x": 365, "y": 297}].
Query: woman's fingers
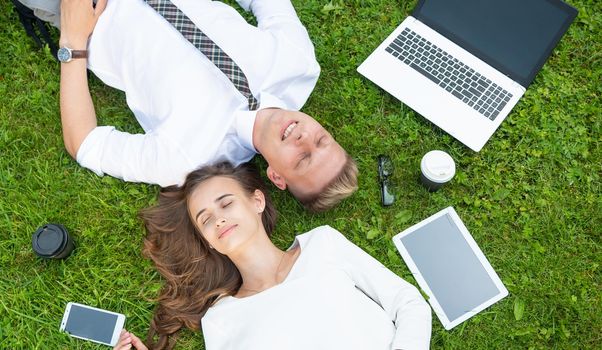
[
  {"x": 138, "y": 344},
  {"x": 125, "y": 341},
  {"x": 128, "y": 341}
]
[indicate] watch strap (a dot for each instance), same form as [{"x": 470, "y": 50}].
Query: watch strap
[{"x": 79, "y": 54}]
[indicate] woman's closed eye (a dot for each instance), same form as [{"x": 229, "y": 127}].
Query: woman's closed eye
[
  {"x": 209, "y": 218},
  {"x": 206, "y": 219}
]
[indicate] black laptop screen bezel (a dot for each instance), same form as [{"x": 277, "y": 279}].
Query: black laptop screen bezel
[{"x": 525, "y": 81}]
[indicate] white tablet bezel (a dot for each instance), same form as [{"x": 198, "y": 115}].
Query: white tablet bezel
[
  {"x": 116, "y": 330},
  {"x": 447, "y": 323}
]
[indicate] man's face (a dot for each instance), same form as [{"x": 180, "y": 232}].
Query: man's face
[{"x": 301, "y": 153}]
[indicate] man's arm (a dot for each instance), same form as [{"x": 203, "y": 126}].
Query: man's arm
[
  {"x": 280, "y": 16},
  {"x": 78, "y": 18},
  {"x": 77, "y": 110}
]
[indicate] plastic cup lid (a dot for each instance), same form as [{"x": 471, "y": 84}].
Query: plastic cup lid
[
  {"x": 49, "y": 240},
  {"x": 438, "y": 166}
]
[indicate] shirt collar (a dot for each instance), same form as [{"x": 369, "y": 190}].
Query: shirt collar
[
  {"x": 243, "y": 123},
  {"x": 245, "y": 120}
]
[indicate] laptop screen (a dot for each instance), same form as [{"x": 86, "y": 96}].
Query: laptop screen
[{"x": 514, "y": 36}]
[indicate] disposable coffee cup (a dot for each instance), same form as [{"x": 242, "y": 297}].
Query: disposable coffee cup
[
  {"x": 437, "y": 168},
  {"x": 52, "y": 241}
]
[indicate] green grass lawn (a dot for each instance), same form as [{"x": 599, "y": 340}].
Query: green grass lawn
[{"x": 531, "y": 197}]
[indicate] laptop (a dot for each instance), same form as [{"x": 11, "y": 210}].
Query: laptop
[{"x": 464, "y": 64}]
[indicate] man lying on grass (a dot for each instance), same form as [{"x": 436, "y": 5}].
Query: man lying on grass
[{"x": 241, "y": 99}]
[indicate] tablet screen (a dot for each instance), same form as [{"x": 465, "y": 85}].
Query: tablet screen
[{"x": 448, "y": 264}]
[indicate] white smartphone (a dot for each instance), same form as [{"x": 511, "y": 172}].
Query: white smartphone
[{"x": 89, "y": 323}]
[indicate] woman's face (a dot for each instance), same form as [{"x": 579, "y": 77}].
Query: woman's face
[{"x": 226, "y": 215}]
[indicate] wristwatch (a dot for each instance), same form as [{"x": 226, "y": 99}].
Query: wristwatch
[{"x": 65, "y": 54}]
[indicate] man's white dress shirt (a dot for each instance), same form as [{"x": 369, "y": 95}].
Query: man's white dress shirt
[
  {"x": 192, "y": 115},
  {"x": 335, "y": 297}
]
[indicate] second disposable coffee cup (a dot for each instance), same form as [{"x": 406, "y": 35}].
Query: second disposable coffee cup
[
  {"x": 437, "y": 168},
  {"x": 52, "y": 241}
]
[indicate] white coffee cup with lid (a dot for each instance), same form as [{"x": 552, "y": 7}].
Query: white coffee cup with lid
[{"x": 437, "y": 168}]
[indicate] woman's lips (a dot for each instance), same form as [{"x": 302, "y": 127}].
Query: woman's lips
[{"x": 226, "y": 231}]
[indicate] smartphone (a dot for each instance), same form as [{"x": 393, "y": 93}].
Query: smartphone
[{"x": 89, "y": 323}]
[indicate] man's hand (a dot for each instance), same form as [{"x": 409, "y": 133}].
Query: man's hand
[{"x": 78, "y": 18}]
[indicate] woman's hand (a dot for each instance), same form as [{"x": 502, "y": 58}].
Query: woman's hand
[
  {"x": 128, "y": 340},
  {"x": 78, "y": 19}
]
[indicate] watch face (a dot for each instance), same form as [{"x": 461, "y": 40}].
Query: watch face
[{"x": 64, "y": 54}]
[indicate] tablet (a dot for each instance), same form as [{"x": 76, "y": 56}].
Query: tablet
[{"x": 449, "y": 267}]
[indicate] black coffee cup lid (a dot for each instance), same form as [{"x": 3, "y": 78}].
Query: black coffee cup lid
[{"x": 49, "y": 239}]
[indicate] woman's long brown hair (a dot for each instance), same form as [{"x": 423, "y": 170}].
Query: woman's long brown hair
[{"x": 196, "y": 276}]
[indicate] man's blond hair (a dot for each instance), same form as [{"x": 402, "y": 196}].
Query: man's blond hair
[{"x": 342, "y": 186}]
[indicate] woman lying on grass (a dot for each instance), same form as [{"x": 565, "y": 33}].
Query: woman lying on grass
[{"x": 210, "y": 240}]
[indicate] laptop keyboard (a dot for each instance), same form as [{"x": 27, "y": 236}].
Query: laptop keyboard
[{"x": 449, "y": 73}]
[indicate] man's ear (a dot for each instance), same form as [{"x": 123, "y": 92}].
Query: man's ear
[{"x": 276, "y": 178}]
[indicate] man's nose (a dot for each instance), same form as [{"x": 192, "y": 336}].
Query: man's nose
[{"x": 302, "y": 137}]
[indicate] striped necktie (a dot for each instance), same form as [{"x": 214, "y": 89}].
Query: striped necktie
[{"x": 214, "y": 53}]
